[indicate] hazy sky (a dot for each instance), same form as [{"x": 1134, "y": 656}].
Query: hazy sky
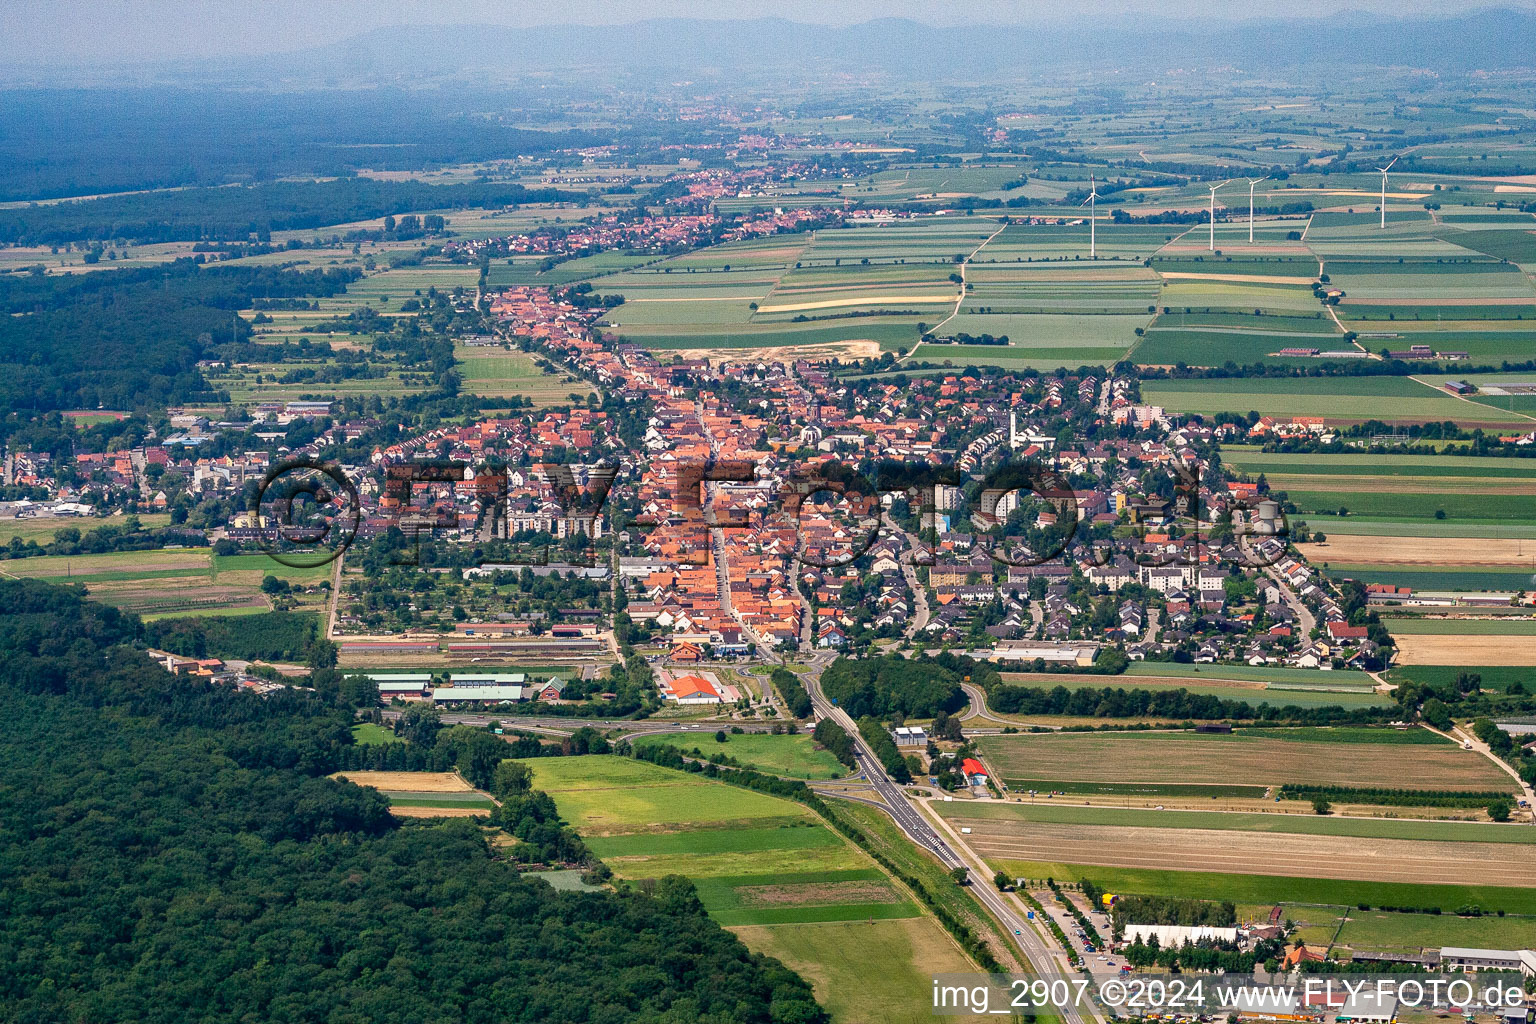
[{"x": 112, "y": 30}]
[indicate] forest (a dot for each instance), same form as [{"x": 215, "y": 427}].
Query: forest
[
  {"x": 77, "y": 142},
  {"x": 130, "y": 339},
  {"x": 236, "y": 213},
  {"x": 270, "y": 636},
  {"x": 170, "y": 850},
  {"x": 892, "y": 685}
]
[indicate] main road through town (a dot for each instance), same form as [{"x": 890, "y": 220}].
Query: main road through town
[{"x": 1042, "y": 952}]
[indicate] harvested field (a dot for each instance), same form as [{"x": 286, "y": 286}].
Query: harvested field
[
  {"x": 1241, "y": 278},
  {"x": 1234, "y": 759},
  {"x": 435, "y": 812},
  {"x": 1464, "y": 649},
  {"x": 857, "y": 348},
  {"x": 864, "y": 300},
  {"x": 1445, "y": 551},
  {"x": 409, "y": 782},
  {"x": 1354, "y": 858}
]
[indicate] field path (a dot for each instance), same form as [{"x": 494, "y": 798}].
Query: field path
[
  {"x": 960, "y": 299},
  {"x": 1483, "y": 748},
  {"x": 1463, "y": 398}
]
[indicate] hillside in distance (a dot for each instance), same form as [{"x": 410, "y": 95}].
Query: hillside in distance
[{"x": 1488, "y": 39}]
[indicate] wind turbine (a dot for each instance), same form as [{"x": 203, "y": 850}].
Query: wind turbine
[
  {"x": 1384, "y": 171},
  {"x": 1093, "y": 220},
  {"x": 1213, "y": 189},
  {"x": 1252, "y": 182}
]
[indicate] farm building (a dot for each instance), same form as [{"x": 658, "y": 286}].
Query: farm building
[
  {"x": 1175, "y": 935},
  {"x": 492, "y": 693},
  {"x": 1462, "y": 958},
  {"x": 404, "y": 685}
]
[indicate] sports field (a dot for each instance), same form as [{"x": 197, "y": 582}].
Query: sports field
[{"x": 499, "y": 373}]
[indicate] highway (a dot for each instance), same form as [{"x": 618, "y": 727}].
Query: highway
[{"x": 1038, "y": 949}]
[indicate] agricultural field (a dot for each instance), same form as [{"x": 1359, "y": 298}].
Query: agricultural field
[
  {"x": 173, "y": 581},
  {"x": 1224, "y": 851},
  {"x": 1243, "y": 887},
  {"x": 795, "y": 757},
  {"x": 1492, "y": 677},
  {"x": 1317, "y": 690},
  {"x": 41, "y": 528},
  {"x": 837, "y": 959},
  {"x": 1413, "y": 552},
  {"x": 1523, "y": 625},
  {"x": 425, "y": 794},
  {"x": 1293, "y": 821},
  {"x": 1244, "y": 761},
  {"x": 1336, "y": 399},
  {"x": 767, "y": 868},
  {"x": 1460, "y": 649},
  {"x": 1377, "y": 930}
]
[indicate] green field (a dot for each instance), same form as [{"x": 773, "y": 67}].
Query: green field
[
  {"x": 449, "y": 800},
  {"x": 500, "y": 373},
  {"x": 1249, "y": 673},
  {"x": 1449, "y": 580},
  {"x": 796, "y": 756},
  {"x": 1463, "y": 627},
  {"x": 368, "y": 732},
  {"x": 1296, "y": 824},
  {"x": 1246, "y": 459},
  {"x": 606, "y": 795},
  {"x": 1378, "y": 930},
  {"x": 866, "y": 970},
  {"x": 1494, "y": 677},
  {"x": 42, "y": 528},
  {"x": 768, "y": 868},
  {"x": 1319, "y": 691}
]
